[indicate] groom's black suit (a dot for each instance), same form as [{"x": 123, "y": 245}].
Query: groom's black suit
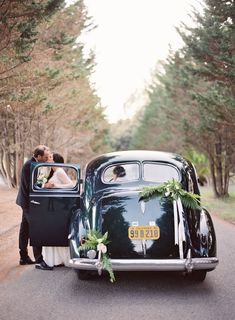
[{"x": 23, "y": 201}]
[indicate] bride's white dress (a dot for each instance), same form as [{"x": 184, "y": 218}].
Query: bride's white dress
[{"x": 54, "y": 256}]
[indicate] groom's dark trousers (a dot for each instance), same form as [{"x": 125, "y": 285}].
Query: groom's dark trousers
[
  {"x": 24, "y": 238},
  {"x": 23, "y": 201}
]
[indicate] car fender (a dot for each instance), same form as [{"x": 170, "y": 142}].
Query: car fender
[
  {"x": 78, "y": 231},
  {"x": 207, "y": 235}
]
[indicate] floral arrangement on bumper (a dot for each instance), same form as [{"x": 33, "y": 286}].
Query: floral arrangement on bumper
[
  {"x": 97, "y": 241},
  {"x": 172, "y": 190}
]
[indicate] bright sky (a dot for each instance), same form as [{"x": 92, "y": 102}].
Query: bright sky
[{"x": 131, "y": 36}]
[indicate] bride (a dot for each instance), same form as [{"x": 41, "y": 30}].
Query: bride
[
  {"x": 58, "y": 178},
  {"x": 57, "y": 256}
]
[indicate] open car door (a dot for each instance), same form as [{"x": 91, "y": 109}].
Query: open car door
[{"x": 51, "y": 208}]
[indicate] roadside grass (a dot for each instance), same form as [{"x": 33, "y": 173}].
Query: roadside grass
[{"x": 224, "y": 208}]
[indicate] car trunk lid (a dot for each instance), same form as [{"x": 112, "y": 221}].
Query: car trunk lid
[{"x": 136, "y": 228}]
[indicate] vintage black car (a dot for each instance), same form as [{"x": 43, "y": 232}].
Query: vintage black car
[{"x": 142, "y": 235}]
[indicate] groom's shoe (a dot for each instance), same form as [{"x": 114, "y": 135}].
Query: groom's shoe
[
  {"x": 27, "y": 260},
  {"x": 43, "y": 266}
]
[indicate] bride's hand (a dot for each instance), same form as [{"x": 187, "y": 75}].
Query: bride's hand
[{"x": 49, "y": 185}]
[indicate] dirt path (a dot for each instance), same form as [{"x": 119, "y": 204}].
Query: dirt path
[{"x": 10, "y": 218}]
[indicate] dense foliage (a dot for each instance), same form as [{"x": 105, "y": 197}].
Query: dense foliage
[
  {"x": 191, "y": 101},
  {"x": 18, "y": 24},
  {"x": 46, "y": 94}
]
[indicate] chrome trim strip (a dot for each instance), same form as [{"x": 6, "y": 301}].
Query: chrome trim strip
[
  {"x": 58, "y": 195},
  {"x": 149, "y": 264}
]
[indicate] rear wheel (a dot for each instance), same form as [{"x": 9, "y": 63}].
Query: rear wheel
[
  {"x": 198, "y": 275},
  {"x": 83, "y": 274}
]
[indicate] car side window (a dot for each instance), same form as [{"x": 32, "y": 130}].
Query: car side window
[
  {"x": 160, "y": 172},
  {"x": 120, "y": 173},
  {"x": 52, "y": 177}
]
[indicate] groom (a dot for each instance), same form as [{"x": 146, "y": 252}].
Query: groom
[{"x": 40, "y": 154}]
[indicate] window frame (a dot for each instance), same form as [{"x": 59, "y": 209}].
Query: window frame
[
  {"x": 76, "y": 187},
  {"x": 121, "y": 164},
  {"x": 166, "y": 164}
]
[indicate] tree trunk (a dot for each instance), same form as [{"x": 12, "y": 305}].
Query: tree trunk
[
  {"x": 213, "y": 177},
  {"x": 219, "y": 166}
]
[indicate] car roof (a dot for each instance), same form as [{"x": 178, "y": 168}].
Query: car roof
[{"x": 137, "y": 155}]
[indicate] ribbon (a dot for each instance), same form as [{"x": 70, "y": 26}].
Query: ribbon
[
  {"x": 176, "y": 222},
  {"x": 179, "y": 225}
]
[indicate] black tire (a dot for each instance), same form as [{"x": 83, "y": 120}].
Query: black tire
[
  {"x": 83, "y": 274},
  {"x": 198, "y": 275}
]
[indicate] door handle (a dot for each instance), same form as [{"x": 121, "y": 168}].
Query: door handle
[
  {"x": 70, "y": 236},
  {"x": 34, "y": 202}
]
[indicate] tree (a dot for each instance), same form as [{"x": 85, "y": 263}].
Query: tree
[
  {"x": 18, "y": 24},
  {"x": 209, "y": 49},
  {"x": 120, "y": 134},
  {"x": 160, "y": 123},
  {"x": 52, "y": 101},
  {"x": 193, "y": 97}
]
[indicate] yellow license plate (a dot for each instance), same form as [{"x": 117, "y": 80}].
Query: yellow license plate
[{"x": 144, "y": 233}]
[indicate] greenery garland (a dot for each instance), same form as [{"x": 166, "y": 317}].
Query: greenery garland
[
  {"x": 97, "y": 241},
  {"x": 172, "y": 190}
]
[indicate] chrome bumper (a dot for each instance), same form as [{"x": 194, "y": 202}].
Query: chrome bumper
[{"x": 187, "y": 264}]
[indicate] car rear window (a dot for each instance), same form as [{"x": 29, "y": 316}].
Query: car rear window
[
  {"x": 159, "y": 172},
  {"x": 120, "y": 173}
]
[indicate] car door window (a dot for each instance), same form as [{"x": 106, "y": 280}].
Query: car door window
[{"x": 51, "y": 177}]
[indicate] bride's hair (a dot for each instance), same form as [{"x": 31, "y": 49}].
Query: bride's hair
[{"x": 58, "y": 158}]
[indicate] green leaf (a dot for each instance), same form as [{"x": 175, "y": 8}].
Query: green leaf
[
  {"x": 108, "y": 266},
  {"x": 94, "y": 238},
  {"x": 87, "y": 246},
  {"x": 171, "y": 190}
]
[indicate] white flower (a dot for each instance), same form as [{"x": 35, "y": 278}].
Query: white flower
[
  {"x": 102, "y": 247},
  {"x": 42, "y": 178},
  {"x": 167, "y": 193}
]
